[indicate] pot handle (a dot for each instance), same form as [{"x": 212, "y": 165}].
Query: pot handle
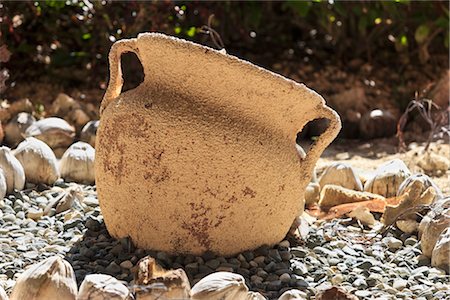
[
  {"x": 115, "y": 70},
  {"x": 324, "y": 139}
]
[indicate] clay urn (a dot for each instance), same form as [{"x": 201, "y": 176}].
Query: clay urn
[{"x": 201, "y": 155}]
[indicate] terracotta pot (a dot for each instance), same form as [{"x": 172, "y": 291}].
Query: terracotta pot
[{"x": 201, "y": 156}]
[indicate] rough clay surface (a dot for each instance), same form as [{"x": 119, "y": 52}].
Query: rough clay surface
[{"x": 181, "y": 166}]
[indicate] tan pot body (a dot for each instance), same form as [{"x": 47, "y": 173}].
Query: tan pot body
[{"x": 201, "y": 156}]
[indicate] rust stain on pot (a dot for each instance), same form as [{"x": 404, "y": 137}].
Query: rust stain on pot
[{"x": 249, "y": 192}]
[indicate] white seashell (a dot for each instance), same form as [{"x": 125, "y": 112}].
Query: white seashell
[
  {"x": 433, "y": 163},
  {"x": 388, "y": 178},
  {"x": 102, "y": 287},
  {"x": 156, "y": 283},
  {"x": 431, "y": 228},
  {"x": 77, "y": 163},
  {"x": 3, "y": 185},
  {"x": 312, "y": 193},
  {"x": 13, "y": 170},
  {"x": 441, "y": 253},
  {"x": 3, "y": 295},
  {"x": 63, "y": 104},
  {"x": 408, "y": 226},
  {"x": 341, "y": 174},
  {"x": 363, "y": 214},
  {"x": 55, "y": 132},
  {"x": 16, "y": 127},
  {"x": 52, "y": 278},
  {"x": 89, "y": 132},
  {"x": 293, "y": 295},
  {"x": 332, "y": 195},
  {"x": 38, "y": 160},
  {"x": 255, "y": 296},
  {"x": 220, "y": 286},
  {"x": 426, "y": 183}
]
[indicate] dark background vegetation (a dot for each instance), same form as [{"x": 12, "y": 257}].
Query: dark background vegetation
[{"x": 392, "y": 48}]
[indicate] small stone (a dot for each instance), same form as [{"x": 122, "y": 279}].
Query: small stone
[
  {"x": 350, "y": 251},
  {"x": 400, "y": 284},
  {"x": 262, "y": 273},
  {"x": 270, "y": 267},
  {"x": 301, "y": 283},
  {"x": 420, "y": 270},
  {"x": 285, "y": 277},
  {"x": 334, "y": 261},
  {"x": 275, "y": 255},
  {"x": 35, "y": 214},
  {"x": 20, "y": 215},
  {"x": 299, "y": 268},
  {"x": 248, "y": 255},
  {"x": 259, "y": 260},
  {"x": 363, "y": 294},
  {"x": 337, "y": 279},
  {"x": 241, "y": 258},
  {"x": 423, "y": 260},
  {"x": 126, "y": 264},
  {"x": 113, "y": 268},
  {"x": 272, "y": 277},
  {"x": 392, "y": 243},
  {"x": 285, "y": 255},
  {"x": 274, "y": 285},
  {"x": 72, "y": 224},
  {"x": 86, "y": 252},
  {"x": 191, "y": 268},
  {"x": 162, "y": 256},
  {"x": 253, "y": 264},
  {"x": 213, "y": 263},
  {"x": 365, "y": 265},
  {"x": 208, "y": 255},
  {"x": 9, "y": 218},
  {"x": 360, "y": 283},
  {"x": 411, "y": 241},
  {"x": 31, "y": 254},
  {"x": 284, "y": 244},
  {"x": 256, "y": 279},
  {"x": 299, "y": 252},
  {"x": 225, "y": 269},
  {"x": 92, "y": 224},
  {"x": 263, "y": 251}
]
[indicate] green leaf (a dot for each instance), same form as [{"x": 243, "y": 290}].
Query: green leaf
[
  {"x": 442, "y": 22},
  {"x": 404, "y": 41},
  {"x": 55, "y": 4},
  {"x": 362, "y": 24},
  {"x": 422, "y": 33},
  {"x": 191, "y": 31},
  {"x": 177, "y": 30},
  {"x": 86, "y": 36},
  {"x": 300, "y": 7}
]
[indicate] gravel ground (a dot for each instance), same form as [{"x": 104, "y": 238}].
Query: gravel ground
[{"x": 337, "y": 252}]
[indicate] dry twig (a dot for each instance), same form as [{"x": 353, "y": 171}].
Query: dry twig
[{"x": 214, "y": 35}]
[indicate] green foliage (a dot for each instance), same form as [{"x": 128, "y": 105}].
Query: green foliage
[{"x": 46, "y": 36}]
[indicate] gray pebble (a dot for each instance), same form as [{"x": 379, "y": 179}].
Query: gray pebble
[
  {"x": 400, "y": 284},
  {"x": 285, "y": 277},
  {"x": 411, "y": 241},
  {"x": 392, "y": 243},
  {"x": 113, "y": 268},
  {"x": 9, "y": 218},
  {"x": 360, "y": 283}
]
